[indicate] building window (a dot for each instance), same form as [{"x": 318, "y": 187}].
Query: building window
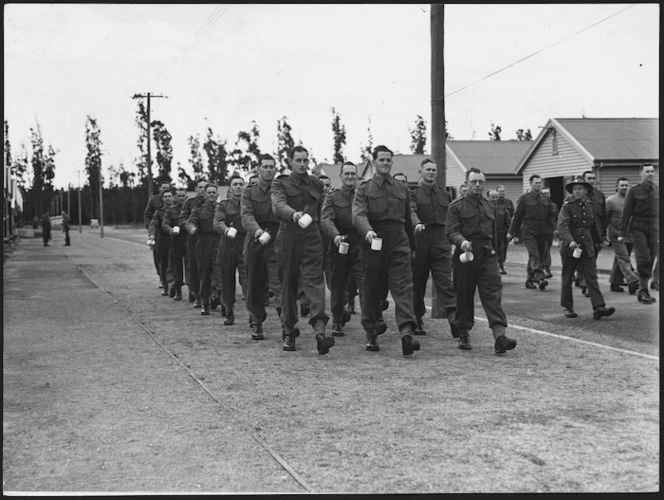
[{"x": 554, "y": 143}]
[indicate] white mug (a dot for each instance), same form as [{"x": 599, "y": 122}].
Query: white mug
[
  {"x": 176, "y": 229},
  {"x": 304, "y": 221},
  {"x": 466, "y": 257},
  {"x": 577, "y": 252},
  {"x": 264, "y": 238},
  {"x": 231, "y": 232},
  {"x": 377, "y": 244},
  {"x": 343, "y": 248}
]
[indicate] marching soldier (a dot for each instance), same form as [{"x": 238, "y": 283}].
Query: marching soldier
[
  {"x": 471, "y": 228},
  {"x": 622, "y": 270},
  {"x": 260, "y": 258},
  {"x": 153, "y": 204},
  {"x": 344, "y": 252},
  {"x": 503, "y": 220},
  {"x": 296, "y": 201},
  {"x": 65, "y": 228},
  {"x": 227, "y": 222},
  {"x": 550, "y": 233},
  {"x": 192, "y": 239},
  {"x": 178, "y": 241},
  {"x": 580, "y": 237},
  {"x": 381, "y": 215},
  {"x": 428, "y": 208},
  {"x": 161, "y": 240}
]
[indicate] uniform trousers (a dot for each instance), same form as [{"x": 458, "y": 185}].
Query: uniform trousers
[
  {"x": 646, "y": 245},
  {"x": 388, "y": 270},
  {"x": 194, "y": 280},
  {"x": 622, "y": 270},
  {"x": 178, "y": 246},
  {"x": 230, "y": 259},
  {"x": 300, "y": 260},
  {"x": 206, "y": 255},
  {"x": 481, "y": 273},
  {"x": 433, "y": 255},
  {"x": 161, "y": 246},
  {"x": 587, "y": 267},
  {"x": 261, "y": 265},
  {"x": 67, "y": 240},
  {"x": 344, "y": 268},
  {"x": 538, "y": 247},
  {"x": 502, "y": 248},
  {"x": 546, "y": 257}
]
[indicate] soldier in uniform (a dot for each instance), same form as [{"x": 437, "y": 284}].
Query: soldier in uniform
[
  {"x": 579, "y": 230},
  {"x": 229, "y": 254},
  {"x": 401, "y": 177},
  {"x": 300, "y": 249},
  {"x": 503, "y": 242},
  {"x": 337, "y": 224},
  {"x": 259, "y": 251},
  {"x": 546, "y": 261},
  {"x": 533, "y": 221},
  {"x": 192, "y": 239},
  {"x": 65, "y": 228},
  {"x": 428, "y": 208},
  {"x": 622, "y": 270},
  {"x": 46, "y": 227},
  {"x": 201, "y": 222},
  {"x": 471, "y": 228},
  {"x": 161, "y": 239},
  {"x": 641, "y": 218},
  {"x": 462, "y": 191},
  {"x": 178, "y": 241},
  {"x": 381, "y": 209},
  {"x": 153, "y": 204},
  {"x": 503, "y": 220}
]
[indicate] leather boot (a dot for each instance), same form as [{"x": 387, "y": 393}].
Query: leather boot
[
  {"x": 337, "y": 329},
  {"x": 197, "y": 304},
  {"x": 230, "y": 318},
  {"x": 205, "y": 310},
  {"x": 420, "y": 328},
  {"x": 178, "y": 294},
  {"x": 372, "y": 342},
  {"x": 408, "y": 345},
  {"x": 257, "y": 332},
  {"x": 289, "y": 342},
  {"x": 164, "y": 289},
  {"x": 192, "y": 296},
  {"x": 644, "y": 296}
]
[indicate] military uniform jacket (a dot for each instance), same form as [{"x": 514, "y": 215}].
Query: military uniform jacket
[
  {"x": 641, "y": 208},
  {"x": 507, "y": 203},
  {"x": 473, "y": 219},
  {"x": 154, "y": 203},
  {"x": 188, "y": 206},
  {"x": 171, "y": 217},
  {"x": 428, "y": 205},
  {"x": 154, "y": 228},
  {"x": 202, "y": 217},
  {"x": 578, "y": 222},
  {"x": 382, "y": 201},
  {"x": 256, "y": 207},
  {"x": 503, "y": 218},
  {"x": 227, "y": 214},
  {"x": 297, "y": 193},
  {"x": 337, "y": 214},
  {"x": 534, "y": 214}
]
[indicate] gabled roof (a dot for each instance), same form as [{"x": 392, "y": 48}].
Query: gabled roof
[
  {"x": 605, "y": 139},
  {"x": 492, "y": 157}
]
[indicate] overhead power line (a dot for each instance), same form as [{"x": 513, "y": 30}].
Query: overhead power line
[{"x": 539, "y": 51}]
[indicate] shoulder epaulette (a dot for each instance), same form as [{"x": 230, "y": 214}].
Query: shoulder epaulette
[{"x": 456, "y": 200}]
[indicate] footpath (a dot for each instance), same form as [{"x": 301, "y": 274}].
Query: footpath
[{"x": 92, "y": 403}]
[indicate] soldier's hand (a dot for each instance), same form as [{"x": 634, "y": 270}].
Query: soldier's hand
[
  {"x": 620, "y": 238},
  {"x": 193, "y": 230},
  {"x": 370, "y": 236},
  {"x": 573, "y": 245},
  {"x": 466, "y": 246},
  {"x": 508, "y": 236},
  {"x": 418, "y": 228},
  {"x": 338, "y": 239},
  {"x": 258, "y": 233},
  {"x": 297, "y": 216}
]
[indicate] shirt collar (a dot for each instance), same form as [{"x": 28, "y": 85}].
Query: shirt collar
[
  {"x": 347, "y": 191},
  {"x": 299, "y": 179},
  {"x": 264, "y": 185},
  {"x": 380, "y": 180}
]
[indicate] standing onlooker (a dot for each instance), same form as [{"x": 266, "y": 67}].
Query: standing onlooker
[
  {"x": 296, "y": 201},
  {"x": 46, "y": 227},
  {"x": 641, "y": 216},
  {"x": 228, "y": 223},
  {"x": 153, "y": 204},
  {"x": 192, "y": 240},
  {"x": 337, "y": 224},
  {"x": 428, "y": 208},
  {"x": 471, "y": 227},
  {"x": 622, "y": 270},
  {"x": 65, "y": 228},
  {"x": 259, "y": 252},
  {"x": 503, "y": 242},
  {"x": 580, "y": 238},
  {"x": 533, "y": 221},
  {"x": 381, "y": 215},
  {"x": 503, "y": 220}
]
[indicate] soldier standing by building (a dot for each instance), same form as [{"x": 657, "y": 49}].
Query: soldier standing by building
[
  {"x": 297, "y": 200},
  {"x": 640, "y": 219},
  {"x": 580, "y": 237},
  {"x": 201, "y": 222},
  {"x": 503, "y": 242},
  {"x": 228, "y": 223},
  {"x": 533, "y": 221},
  {"x": 337, "y": 224},
  {"x": 160, "y": 240},
  {"x": 153, "y": 204},
  {"x": 192, "y": 239},
  {"x": 381, "y": 215},
  {"x": 178, "y": 242},
  {"x": 503, "y": 220},
  {"x": 46, "y": 227},
  {"x": 260, "y": 258},
  {"x": 428, "y": 208},
  {"x": 65, "y": 228},
  {"x": 471, "y": 227},
  {"x": 622, "y": 270}
]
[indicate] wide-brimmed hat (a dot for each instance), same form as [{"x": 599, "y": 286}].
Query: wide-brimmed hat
[{"x": 579, "y": 180}]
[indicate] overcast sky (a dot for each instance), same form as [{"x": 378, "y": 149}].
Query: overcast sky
[{"x": 225, "y": 65}]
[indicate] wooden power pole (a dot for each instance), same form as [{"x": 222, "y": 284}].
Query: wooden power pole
[
  {"x": 149, "y": 96},
  {"x": 438, "y": 112}
]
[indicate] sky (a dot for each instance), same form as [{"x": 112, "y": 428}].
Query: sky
[{"x": 225, "y": 65}]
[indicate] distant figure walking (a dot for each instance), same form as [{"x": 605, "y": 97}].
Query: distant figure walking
[
  {"x": 65, "y": 228},
  {"x": 46, "y": 228}
]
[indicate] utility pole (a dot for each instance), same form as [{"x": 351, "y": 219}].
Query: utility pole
[
  {"x": 438, "y": 113},
  {"x": 101, "y": 206},
  {"x": 80, "y": 214},
  {"x": 148, "y": 95}
]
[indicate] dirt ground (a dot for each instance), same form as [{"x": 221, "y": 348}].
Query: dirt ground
[{"x": 110, "y": 387}]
